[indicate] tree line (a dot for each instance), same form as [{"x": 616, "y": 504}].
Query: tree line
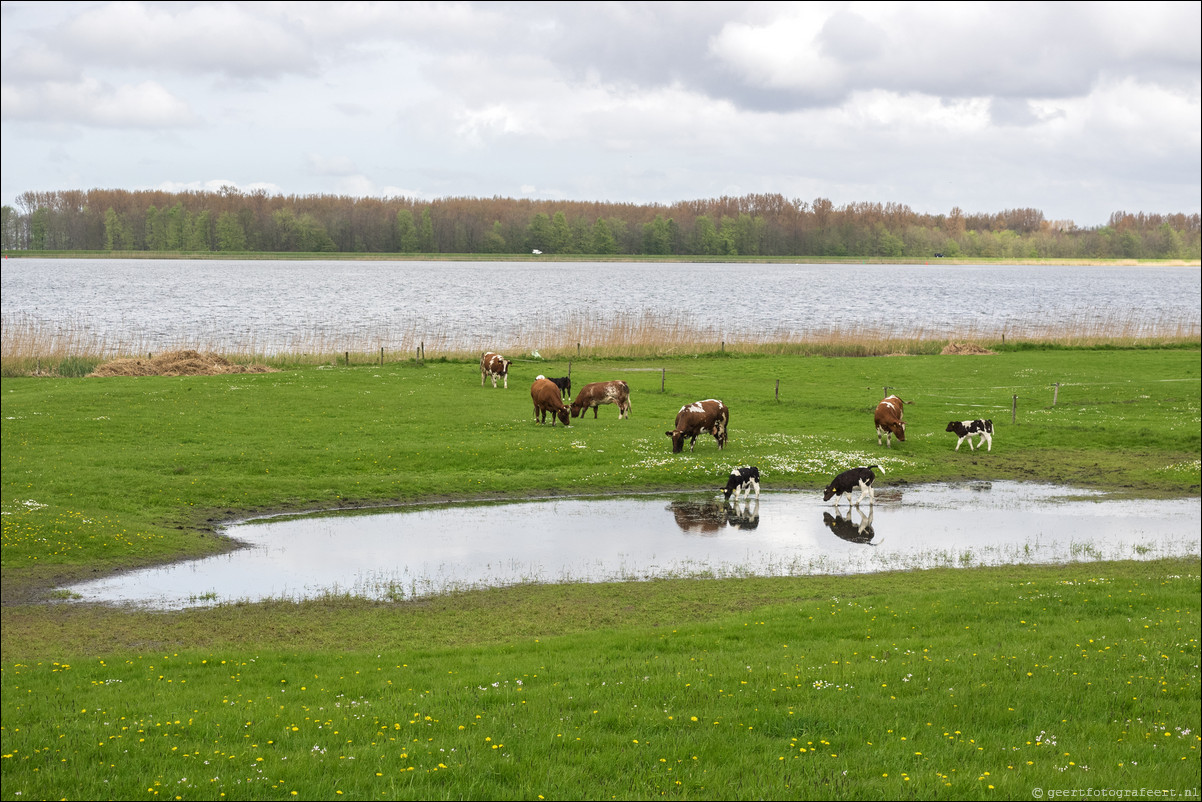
[{"x": 232, "y": 221}]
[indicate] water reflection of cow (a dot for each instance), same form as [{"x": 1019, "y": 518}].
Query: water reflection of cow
[
  {"x": 711, "y": 517},
  {"x": 847, "y": 529}
]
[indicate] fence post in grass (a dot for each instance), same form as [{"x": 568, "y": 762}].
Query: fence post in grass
[
  {"x": 423, "y": 349},
  {"x": 1014, "y": 409},
  {"x": 724, "y": 346},
  {"x": 577, "y": 349},
  {"x": 569, "y": 370},
  {"x": 348, "y": 359},
  {"x": 1055, "y": 392},
  {"x": 778, "y": 389},
  {"x": 381, "y": 356},
  {"x": 663, "y": 377}
]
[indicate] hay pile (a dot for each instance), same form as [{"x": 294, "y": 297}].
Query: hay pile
[
  {"x": 176, "y": 363},
  {"x": 955, "y": 348}
]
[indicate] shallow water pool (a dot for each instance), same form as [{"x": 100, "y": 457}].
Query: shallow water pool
[{"x": 401, "y": 554}]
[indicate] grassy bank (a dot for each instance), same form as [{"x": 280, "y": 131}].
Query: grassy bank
[{"x": 947, "y": 683}]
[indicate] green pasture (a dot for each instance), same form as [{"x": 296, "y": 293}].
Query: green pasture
[{"x": 981, "y": 683}]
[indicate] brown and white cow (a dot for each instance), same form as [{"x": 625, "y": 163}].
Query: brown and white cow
[
  {"x": 494, "y": 365},
  {"x": 546, "y": 399},
  {"x": 889, "y": 420},
  {"x": 710, "y": 416},
  {"x": 597, "y": 393}
]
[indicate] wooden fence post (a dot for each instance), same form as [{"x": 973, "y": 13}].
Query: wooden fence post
[
  {"x": 381, "y": 356},
  {"x": 663, "y": 377},
  {"x": 778, "y": 389},
  {"x": 1014, "y": 409},
  {"x": 1055, "y": 392}
]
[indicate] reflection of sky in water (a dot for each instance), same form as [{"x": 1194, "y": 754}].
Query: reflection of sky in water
[{"x": 432, "y": 550}]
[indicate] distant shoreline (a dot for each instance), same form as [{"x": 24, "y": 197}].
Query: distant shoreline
[{"x": 511, "y": 257}]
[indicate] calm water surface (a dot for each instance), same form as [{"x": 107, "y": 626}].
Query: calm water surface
[
  {"x": 397, "y": 555},
  {"x": 270, "y": 306}
]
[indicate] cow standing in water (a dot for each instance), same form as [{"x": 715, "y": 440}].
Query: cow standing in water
[
  {"x": 710, "y": 415},
  {"x": 494, "y": 366}
]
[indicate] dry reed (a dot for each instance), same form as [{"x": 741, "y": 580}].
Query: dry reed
[{"x": 30, "y": 345}]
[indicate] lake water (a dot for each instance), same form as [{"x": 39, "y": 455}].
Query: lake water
[
  {"x": 290, "y": 306},
  {"x": 405, "y": 554}
]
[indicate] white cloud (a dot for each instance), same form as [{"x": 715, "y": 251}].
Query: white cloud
[
  {"x": 1071, "y": 108},
  {"x": 91, "y": 102}
]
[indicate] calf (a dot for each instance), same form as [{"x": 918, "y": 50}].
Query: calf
[
  {"x": 743, "y": 481},
  {"x": 848, "y": 481},
  {"x": 598, "y": 393},
  {"x": 563, "y": 383},
  {"x": 888, "y": 419},
  {"x": 710, "y": 416},
  {"x": 968, "y": 429},
  {"x": 546, "y": 399},
  {"x": 494, "y": 365}
]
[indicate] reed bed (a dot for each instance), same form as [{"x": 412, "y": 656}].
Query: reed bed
[{"x": 31, "y": 345}]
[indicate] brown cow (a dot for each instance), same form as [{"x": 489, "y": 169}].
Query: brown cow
[
  {"x": 597, "y": 393},
  {"x": 546, "y": 399},
  {"x": 494, "y": 365},
  {"x": 710, "y": 416},
  {"x": 889, "y": 423}
]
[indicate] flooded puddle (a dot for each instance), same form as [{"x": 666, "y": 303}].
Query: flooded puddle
[{"x": 430, "y": 550}]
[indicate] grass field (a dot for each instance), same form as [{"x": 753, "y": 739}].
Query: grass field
[{"x": 982, "y": 683}]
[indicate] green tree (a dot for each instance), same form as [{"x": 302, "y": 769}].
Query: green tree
[
  {"x": 231, "y": 236},
  {"x": 603, "y": 241},
  {"x": 561, "y": 234},
  {"x": 425, "y": 239},
  {"x": 406, "y": 232},
  {"x": 116, "y": 234},
  {"x": 39, "y": 228},
  {"x": 538, "y": 233}
]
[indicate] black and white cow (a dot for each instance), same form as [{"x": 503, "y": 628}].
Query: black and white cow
[
  {"x": 743, "y": 481},
  {"x": 563, "y": 383},
  {"x": 968, "y": 429},
  {"x": 851, "y": 479}
]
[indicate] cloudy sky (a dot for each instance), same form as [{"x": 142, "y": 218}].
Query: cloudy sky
[{"x": 1076, "y": 109}]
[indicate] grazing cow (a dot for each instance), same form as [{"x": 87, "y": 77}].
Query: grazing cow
[
  {"x": 743, "y": 481},
  {"x": 546, "y": 399},
  {"x": 968, "y": 429},
  {"x": 494, "y": 365},
  {"x": 710, "y": 416},
  {"x": 848, "y": 481},
  {"x": 598, "y": 393},
  {"x": 889, "y": 420}
]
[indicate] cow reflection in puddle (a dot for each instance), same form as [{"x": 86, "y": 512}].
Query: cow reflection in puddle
[
  {"x": 711, "y": 517},
  {"x": 847, "y": 529}
]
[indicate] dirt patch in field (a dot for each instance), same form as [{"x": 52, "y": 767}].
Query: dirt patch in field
[
  {"x": 955, "y": 348},
  {"x": 177, "y": 363}
]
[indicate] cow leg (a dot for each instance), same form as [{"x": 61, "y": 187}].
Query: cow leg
[
  {"x": 596, "y": 408},
  {"x": 958, "y": 442},
  {"x": 987, "y": 438},
  {"x": 755, "y": 485}
]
